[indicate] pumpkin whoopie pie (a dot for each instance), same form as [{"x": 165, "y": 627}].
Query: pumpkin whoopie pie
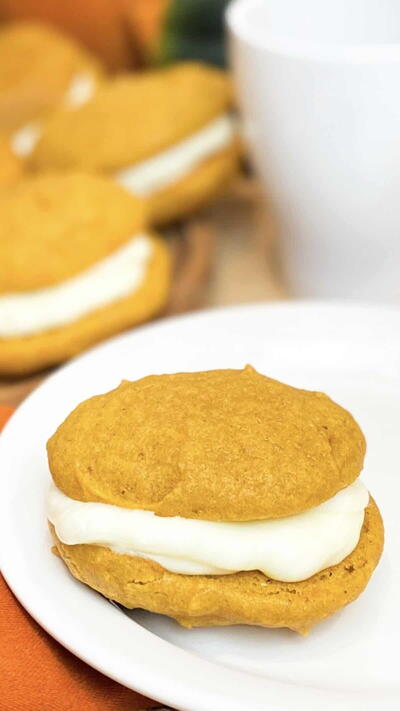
[
  {"x": 167, "y": 135},
  {"x": 217, "y": 498},
  {"x": 77, "y": 265},
  {"x": 40, "y": 69}
]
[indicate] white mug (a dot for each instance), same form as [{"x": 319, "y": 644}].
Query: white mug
[{"x": 319, "y": 86}]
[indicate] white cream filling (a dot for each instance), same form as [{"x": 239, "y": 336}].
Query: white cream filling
[
  {"x": 113, "y": 278},
  {"x": 79, "y": 92},
  {"x": 288, "y": 549},
  {"x": 173, "y": 164},
  {"x": 24, "y": 140}
]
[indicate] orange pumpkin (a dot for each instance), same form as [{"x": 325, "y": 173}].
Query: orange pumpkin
[
  {"x": 5, "y": 414},
  {"x": 145, "y": 18},
  {"x": 102, "y": 25}
]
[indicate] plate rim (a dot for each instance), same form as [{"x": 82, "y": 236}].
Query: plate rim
[{"x": 294, "y": 694}]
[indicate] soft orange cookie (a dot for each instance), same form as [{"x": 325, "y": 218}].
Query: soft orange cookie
[
  {"x": 40, "y": 68},
  {"x": 11, "y": 167},
  {"x": 167, "y": 135}
]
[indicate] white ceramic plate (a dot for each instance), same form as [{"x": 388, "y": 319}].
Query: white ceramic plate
[{"x": 348, "y": 662}]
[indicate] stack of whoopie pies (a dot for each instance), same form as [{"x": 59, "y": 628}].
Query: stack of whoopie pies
[{"x": 75, "y": 144}]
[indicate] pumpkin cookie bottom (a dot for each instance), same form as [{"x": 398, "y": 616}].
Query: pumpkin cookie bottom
[
  {"x": 196, "y": 189},
  {"x": 241, "y": 598}
]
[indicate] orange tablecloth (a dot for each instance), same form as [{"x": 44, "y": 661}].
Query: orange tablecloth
[{"x": 38, "y": 674}]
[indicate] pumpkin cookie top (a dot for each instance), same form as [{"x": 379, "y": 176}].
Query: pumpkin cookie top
[
  {"x": 134, "y": 117},
  {"x": 37, "y": 66},
  {"x": 53, "y": 227},
  {"x": 224, "y": 445}
]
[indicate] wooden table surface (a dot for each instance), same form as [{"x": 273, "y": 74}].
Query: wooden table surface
[{"x": 224, "y": 255}]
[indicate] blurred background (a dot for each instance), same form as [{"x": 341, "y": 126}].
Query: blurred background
[
  {"x": 128, "y": 34},
  {"x": 223, "y": 251},
  {"x": 320, "y": 221}
]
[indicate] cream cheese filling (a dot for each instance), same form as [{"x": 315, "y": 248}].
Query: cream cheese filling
[
  {"x": 287, "y": 549},
  {"x": 24, "y": 140},
  {"x": 173, "y": 164},
  {"x": 79, "y": 92},
  {"x": 115, "y": 277}
]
